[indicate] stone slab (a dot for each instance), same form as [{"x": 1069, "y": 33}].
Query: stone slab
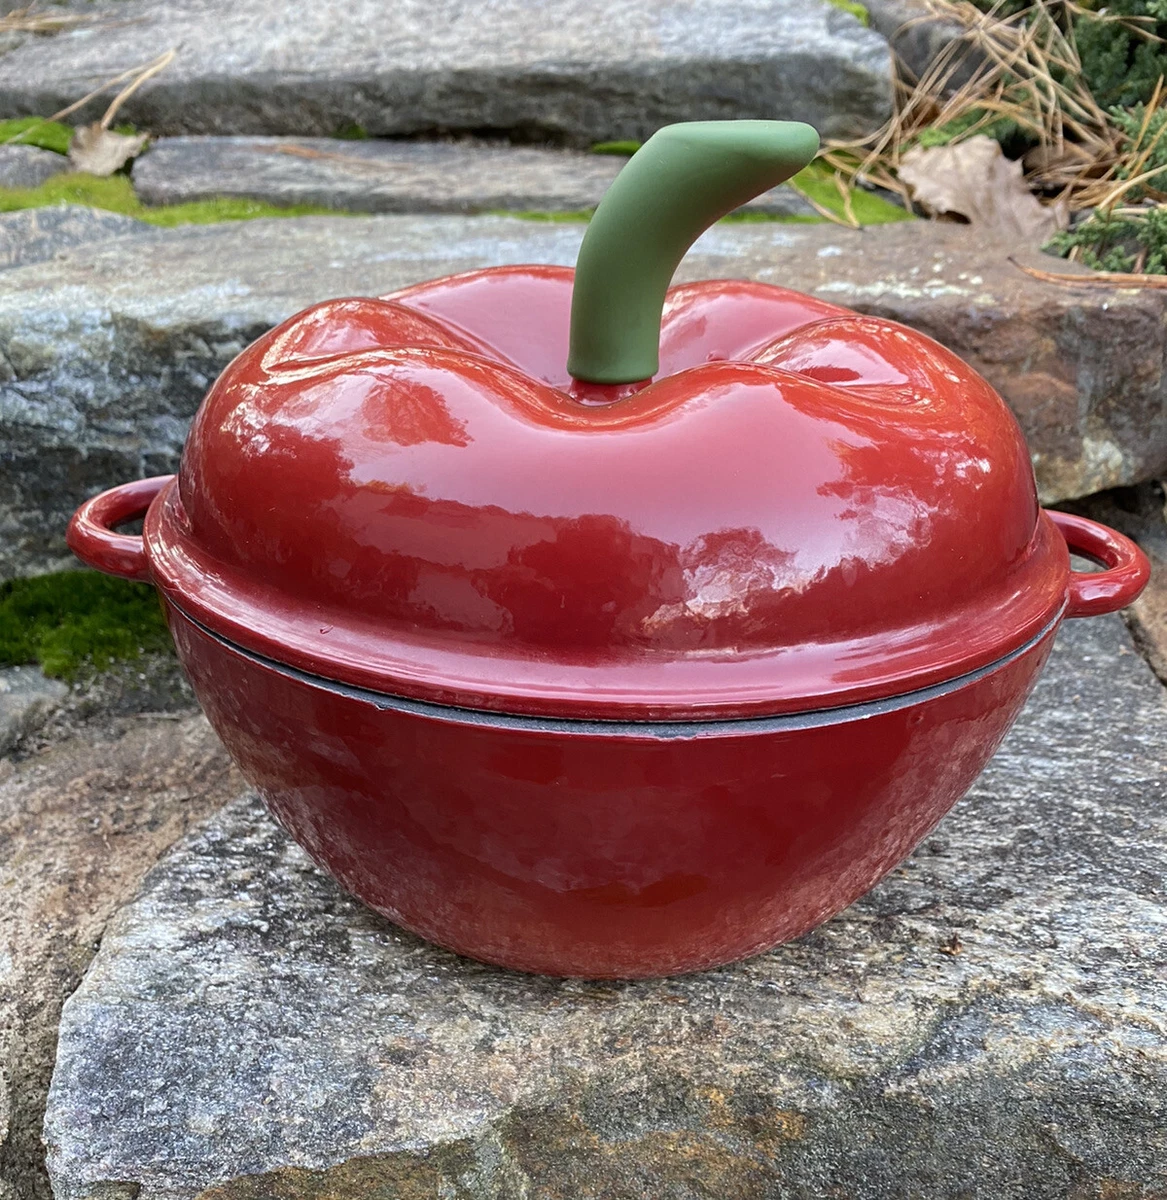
[
  {"x": 106, "y": 353},
  {"x": 27, "y": 699},
  {"x": 80, "y": 824},
  {"x": 573, "y": 70},
  {"x": 1141, "y": 513},
  {"x": 388, "y": 176},
  {"x": 990, "y": 1023},
  {"x": 29, "y": 166},
  {"x": 32, "y": 235}
]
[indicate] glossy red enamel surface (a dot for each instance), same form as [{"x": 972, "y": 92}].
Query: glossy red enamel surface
[
  {"x": 806, "y": 508},
  {"x": 599, "y": 854}
]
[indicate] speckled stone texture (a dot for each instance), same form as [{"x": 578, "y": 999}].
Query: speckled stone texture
[
  {"x": 574, "y": 70},
  {"x": 27, "y": 699},
  {"x": 391, "y": 176},
  {"x": 80, "y": 824},
  {"x": 32, "y": 235},
  {"x": 990, "y": 1023},
  {"x": 29, "y": 166},
  {"x": 107, "y": 350}
]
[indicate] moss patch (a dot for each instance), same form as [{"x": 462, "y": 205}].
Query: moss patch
[
  {"x": 36, "y": 131},
  {"x": 116, "y": 194},
  {"x": 622, "y": 149},
  {"x": 759, "y": 218},
  {"x": 70, "y": 619},
  {"x": 817, "y": 182},
  {"x": 856, "y": 10},
  {"x": 573, "y": 216}
]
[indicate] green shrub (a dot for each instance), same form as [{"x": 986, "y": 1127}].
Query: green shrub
[
  {"x": 1130, "y": 121},
  {"x": 1121, "y": 66},
  {"x": 1118, "y": 243}
]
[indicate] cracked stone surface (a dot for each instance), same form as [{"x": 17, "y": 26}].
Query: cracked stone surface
[
  {"x": 29, "y": 166},
  {"x": 107, "y": 349},
  {"x": 27, "y": 699},
  {"x": 990, "y": 1023},
  {"x": 31, "y": 235},
  {"x": 387, "y": 176},
  {"x": 80, "y": 824},
  {"x": 575, "y": 70}
]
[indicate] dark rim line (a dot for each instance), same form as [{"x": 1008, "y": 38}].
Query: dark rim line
[{"x": 665, "y": 730}]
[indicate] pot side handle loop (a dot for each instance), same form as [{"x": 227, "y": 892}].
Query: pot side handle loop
[
  {"x": 1126, "y": 567},
  {"x": 91, "y": 533}
]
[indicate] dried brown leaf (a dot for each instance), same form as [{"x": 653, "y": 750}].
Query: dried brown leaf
[
  {"x": 100, "y": 151},
  {"x": 975, "y": 180}
]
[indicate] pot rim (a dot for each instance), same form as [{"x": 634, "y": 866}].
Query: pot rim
[
  {"x": 722, "y": 685},
  {"x": 625, "y": 729}
]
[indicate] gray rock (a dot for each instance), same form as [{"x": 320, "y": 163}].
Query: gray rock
[
  {"x": 80, "y": 824},
  {"x": 32, "y": 235},
  {"x": 29, "y": 166},
  {"x": 919, "y": 36},
  {"x": 990, "y": 1023},
  {"x": 1140, "y": 513},
  {"x": 574, "y": 70},
  {"x": 27, "y": 700},
  {"x": 105, "y": 354},
  {"x": 385, "y": 176}
]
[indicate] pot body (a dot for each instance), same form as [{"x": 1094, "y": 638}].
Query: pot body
[{"x": 605, "y": 851}]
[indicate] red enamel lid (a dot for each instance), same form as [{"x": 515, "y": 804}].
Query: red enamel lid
[{"x": 806, "y": 508}]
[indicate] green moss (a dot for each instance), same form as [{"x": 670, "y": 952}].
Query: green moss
[
  {"x": 1002, "y": 129},
  {"x": 578, "y": 216},
  {"x": 116, "y": 194},
  {"x": 225, "y": 208},
  {"x": 621, "y": 149},
  {"x": 36, "y": 131},
  {"x": 758, "y": 218},
  {"x": 352, "y": 132},
  {"x": 856, "y": 10},
  {"x": 67, "y": 620},
  {"x": 817, "y": 182}
]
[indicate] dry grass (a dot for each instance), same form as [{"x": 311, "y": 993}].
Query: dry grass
[
  {"x": 1023, "y": 69},
  {"x": 32, "y": 20},
  {"x": 136, "y": 76}
]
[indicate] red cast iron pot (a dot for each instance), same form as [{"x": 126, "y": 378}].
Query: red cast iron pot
[{"x": 607, "y": 678}]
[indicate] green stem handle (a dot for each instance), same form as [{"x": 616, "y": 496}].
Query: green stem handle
[{"x": 682, "y": 180}]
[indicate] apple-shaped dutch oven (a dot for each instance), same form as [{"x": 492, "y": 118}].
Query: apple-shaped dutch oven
[{"x": 580, "y": 665}]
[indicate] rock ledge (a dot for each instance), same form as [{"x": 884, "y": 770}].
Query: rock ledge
[{"x": 989, "y": 1024}]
